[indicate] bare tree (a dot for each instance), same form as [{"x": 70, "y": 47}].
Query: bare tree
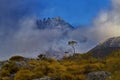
[{"x": 72, "y": 44}]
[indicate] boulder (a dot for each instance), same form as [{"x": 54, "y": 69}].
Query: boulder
[
  {"x": 101, "y": 75},
  {"x": 44, "y": 78}
]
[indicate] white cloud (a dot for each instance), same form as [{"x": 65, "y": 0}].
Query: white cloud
[
  {"x": 29, "y": 41},
  {"x": 107, "y": 24}
]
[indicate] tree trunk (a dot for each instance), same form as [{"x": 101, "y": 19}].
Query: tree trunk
[{"x": 73, "y": 49}]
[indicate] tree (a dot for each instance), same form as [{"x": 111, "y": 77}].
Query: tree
[
  {"x": 42, "y": 56},
  {"x": 72, "y": 43}
]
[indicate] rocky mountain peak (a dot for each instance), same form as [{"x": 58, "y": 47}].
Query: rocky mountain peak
[
  {"x": 53, "y": 23},
  {"x": 58, "y": 18}
]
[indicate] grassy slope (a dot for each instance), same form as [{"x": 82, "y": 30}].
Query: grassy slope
[{"x": 69, "y": 68}]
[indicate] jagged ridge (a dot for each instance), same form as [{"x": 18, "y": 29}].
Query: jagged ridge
[{"x": 53, "y": 23}]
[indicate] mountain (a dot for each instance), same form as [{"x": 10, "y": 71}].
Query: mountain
[
  {"x": 53, "y": 23},
  {"x": 107, "y": 47},
  {"x": 56, "y": 24}
]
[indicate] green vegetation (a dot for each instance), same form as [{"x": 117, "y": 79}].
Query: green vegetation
[
  {"x": 24, "y": 74},
  {"x": 16, "y": 58},
  {"x": 74, "y": 67}
]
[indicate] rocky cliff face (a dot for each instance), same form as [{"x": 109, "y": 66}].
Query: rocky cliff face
[
  {"x": 53, "y": 23},
  {"x": 107, "y": 47}
]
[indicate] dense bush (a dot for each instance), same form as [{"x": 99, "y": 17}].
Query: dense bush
[
  {"x": 24, "y": 74},
  {"x": 74, "y": 67},
  {"x": 11, "y": 67},
  {"x": 16, "y": 58}
]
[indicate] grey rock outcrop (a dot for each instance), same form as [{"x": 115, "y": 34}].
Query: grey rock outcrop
[
  {"x": 44, "y": 78},
  {"x": 101, "y": 75}
]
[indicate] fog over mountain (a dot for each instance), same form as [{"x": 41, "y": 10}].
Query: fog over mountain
[{"x": 22, "y": 35}]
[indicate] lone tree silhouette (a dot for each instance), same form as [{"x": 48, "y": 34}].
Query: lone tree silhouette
[
  {"x": 42, "y": 56},
  {"x": 72, "y": 44}
]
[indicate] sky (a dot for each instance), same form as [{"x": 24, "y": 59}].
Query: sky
[
  {"x": 77, "y": 12},
  {"x": 18, "y": 35}
]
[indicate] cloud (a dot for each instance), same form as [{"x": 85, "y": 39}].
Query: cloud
[
  {"x": 19, "y": 36},
  {"x": 116, "y": 3},
  {"x": 107, "y": 24},
  {"x": 12, "y": 12},
  {"x": 29, "y": 41}
]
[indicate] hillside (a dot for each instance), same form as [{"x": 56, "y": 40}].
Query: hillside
[
  {"x": 107, "y": 47},
  {"x": 73, "y": 67}
]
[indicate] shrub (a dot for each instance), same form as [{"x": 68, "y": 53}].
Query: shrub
[
  {"x": 24, "y": 74},
  {"x": 11, "y": 67},
  {"x": 67, "y": 76},
  {"x": 38, "y": 72},
  {"x": 4, "y": 73},
  {"x": 16, "y": 58}
]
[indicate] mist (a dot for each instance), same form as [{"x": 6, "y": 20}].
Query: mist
[
  {"x": 107, "y": 24},
  {"x": 19, "y": 36}
]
